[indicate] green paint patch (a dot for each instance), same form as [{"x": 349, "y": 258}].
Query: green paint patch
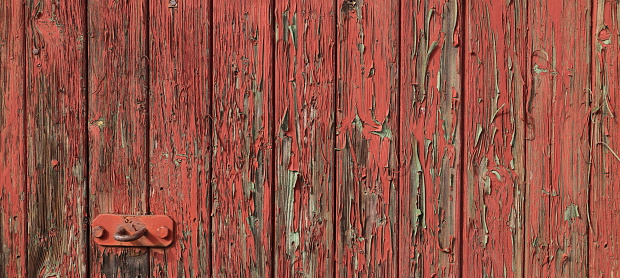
[
  {"x": 537, "y": 69},
  {"x": 99, "y": 123},
  {"x": 497, "y": 111},
  {"x": 418, "y": 191},
  {"x": 554, "y": 194},
  {"x": 478, "y": 133},
  {"x": 497, "y": 175},
  {"x": 361, "y": 48},
  {"x": 358, "y": 123},
  {"x": 384, "y": 132},
  {"x": 291, "y": 26},
  {"x": 571, "y": 212}
]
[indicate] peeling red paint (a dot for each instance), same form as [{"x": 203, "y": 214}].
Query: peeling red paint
[
  {"x": 304, "y": 101},
  {"x": 558, "y": 147},
  {"x": 312, "y": 138},
  {"x": 366, "y": 128},
  {"x": 12, "y": 143},
  {"x": 604, "y": 235},
  {"x": 242, "y": 176},
  {"x": 494, "y": 162},
  {"x": 430, "y": 121},
  {"x": 55, "y": 135},
  {"x": 179, "y": 128},
  {"x": 118, "y": 130}
]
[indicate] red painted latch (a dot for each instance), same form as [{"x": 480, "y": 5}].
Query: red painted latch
[{"x": 133, "y": 230}]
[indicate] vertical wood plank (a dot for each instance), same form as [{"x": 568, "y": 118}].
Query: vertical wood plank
[
  {"x": 179, "y": 129},
  {"x": 12, "y": 142},
  {"x": 367, "y": 130},
  {"x": 118, "y": 125},
  {"x": 242, "y": 174},
  {"x": 430, "y": 146},
  {"x": 56, "y": 110},
  {"x": 496, "y": 74},
  {"x": 558, "y": 107},
  {"x": 604, "y": 241},
  {"x": 304, "y": 99}
]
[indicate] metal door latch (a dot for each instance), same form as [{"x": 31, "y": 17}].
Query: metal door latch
[{"x": 133, "y": 230}]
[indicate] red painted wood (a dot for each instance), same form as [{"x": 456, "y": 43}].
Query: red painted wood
[
  {"x": 604, "y": 235},
  {"x": 304, "y": 102},
  {"x": 430, "y": 143},
  {"x": 55, "y": 115},
  {"x": 496, "y": 71},
  {"x": 242, "y": 173},
  {"x": 367, "y": 132},
  {"x": 118, "y": 125},
  {"x": 179, "y": 129},
  {"x": 13, "y": 234},
  {"x": 558, "y": 154},
  {"x": 462, "y": 138}
]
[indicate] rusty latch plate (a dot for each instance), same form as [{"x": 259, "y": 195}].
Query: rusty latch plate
[{"x": 133, "y": 230}]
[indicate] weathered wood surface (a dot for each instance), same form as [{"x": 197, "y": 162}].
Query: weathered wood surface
[
  {"x": 604, "y": 234},
  {"x": 13, "y": 234},
  {"x": 179, "y": 128},
  {"x": 118, "y": 120},
  {"x": 304, "y": 112},
  {"x": 242, "y": 175},
  {"x": 366, "y": 133},
  {"x": 558, "y": 148},
  {"x": 430, "y": 141},
  {"x": 56, "y": 139},
  {"x": 312, "y": 138},
  {"x": 493, "y": 157}
]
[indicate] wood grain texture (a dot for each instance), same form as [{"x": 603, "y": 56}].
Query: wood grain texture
[
  {"x": 242, "y": 177},
  {"x": 430, "y": 143},
  {"x": 558, "y": 109},
  {"x": 304, "y": 102},
  {"x": 56, "y": 110},
  {"x": 13, "y": 220},
  {"x": 118, "y": 125},
  {"x": 496, "y": 75},
  {"x": 179, "y": 133},
  {"x": 367, "y": 130},
  {"x": 295, "y": 138},
  {"x": 604, "y": 236}
]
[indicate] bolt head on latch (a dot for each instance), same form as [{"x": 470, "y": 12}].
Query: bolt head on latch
[
  {"x": 163, "y": 232},
  {"x": 98, "y": 231}
]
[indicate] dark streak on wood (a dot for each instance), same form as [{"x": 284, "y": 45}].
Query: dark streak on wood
[
  {"x": 56, "y": 112},
  {"x": 128, "y": 262}
]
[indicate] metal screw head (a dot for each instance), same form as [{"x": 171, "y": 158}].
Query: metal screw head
[
  {"x": 163, "y": 232},
  {"x": 98, "y": 231}
]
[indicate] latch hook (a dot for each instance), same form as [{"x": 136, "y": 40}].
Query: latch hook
[{"x": 122, "y": 234}]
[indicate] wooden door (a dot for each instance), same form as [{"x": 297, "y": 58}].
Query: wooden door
[{"x": 296, "y": 138}]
